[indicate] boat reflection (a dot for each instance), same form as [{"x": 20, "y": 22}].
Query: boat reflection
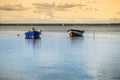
[
  {"x": 35, "y": 43},
  {"x": 76, "y": 41}
]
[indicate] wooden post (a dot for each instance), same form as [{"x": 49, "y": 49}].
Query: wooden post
[{"x": 93, "y": 34}]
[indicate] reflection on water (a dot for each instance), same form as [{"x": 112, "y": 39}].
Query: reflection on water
[
  {"x": 57, "y": 57},
  {"x": 35, "y": 43},
  {"x": 76, "y": 40}
]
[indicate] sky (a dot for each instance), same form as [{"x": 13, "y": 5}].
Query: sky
[{"x": 59, "y": 11}]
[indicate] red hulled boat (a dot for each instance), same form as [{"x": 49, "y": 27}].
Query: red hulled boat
[{"x": 75, "y": 33}]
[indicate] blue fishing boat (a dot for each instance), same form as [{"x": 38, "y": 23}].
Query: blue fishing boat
[
  {"x": 33, "y": 34},
  {"x": 75, "y": 33}
]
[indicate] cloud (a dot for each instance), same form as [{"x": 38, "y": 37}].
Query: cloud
[
  {"x": 48, "y": 10},
  {"x": 44, "y": 5},
  {"x": 56, "y": 7},
  {"x": 90, "y": 9},
  {"x": 90, "y": 6},
  {"x": 92, "y": 2},
  {"x": 17, "y": 7},
  {"x": 67, "y": 6},
  {"x": 114, "y": 19},
  {"x": 118, "y": 12}
]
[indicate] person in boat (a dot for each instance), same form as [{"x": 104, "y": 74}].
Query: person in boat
[
  {"x": 40, "y": 30},
  {"x": 33, "y": 29},
  {"x": 70, "y": 30}
]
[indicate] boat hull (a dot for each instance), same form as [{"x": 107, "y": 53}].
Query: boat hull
[
  {"x": 76, "y": 33},
  {"x": 32, "y": 35}
]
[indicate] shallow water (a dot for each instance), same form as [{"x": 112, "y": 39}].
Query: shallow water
[{"x": 57, "y": 57}]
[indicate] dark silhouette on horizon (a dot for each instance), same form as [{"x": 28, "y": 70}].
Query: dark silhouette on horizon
[{"x": 60, "y": 24}]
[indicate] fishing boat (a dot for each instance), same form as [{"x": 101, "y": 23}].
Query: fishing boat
[
  {"x": 75, "y": 33},
  {"x": 33, "y": 34}
]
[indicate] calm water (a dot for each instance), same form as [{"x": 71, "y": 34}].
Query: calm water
[{"x": 57, "y": 57}]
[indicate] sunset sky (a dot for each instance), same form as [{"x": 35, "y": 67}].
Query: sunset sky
[{"x": 57, "y": 11}]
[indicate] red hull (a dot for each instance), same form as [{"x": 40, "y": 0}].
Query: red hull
[
  {"x": 32, "y": 37},
  {"x": 75, "y": 33},
  {"x": 71, "y": 34}
]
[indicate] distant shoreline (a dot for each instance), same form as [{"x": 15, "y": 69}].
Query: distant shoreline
[
  {"x": 59, "y": 24},
  {"x": 60, "y": 28}
]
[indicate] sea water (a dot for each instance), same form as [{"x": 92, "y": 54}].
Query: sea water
[{"x": 56, "y": 56}]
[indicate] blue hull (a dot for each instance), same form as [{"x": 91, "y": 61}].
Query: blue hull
[{"x": 32, "y": 34}]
